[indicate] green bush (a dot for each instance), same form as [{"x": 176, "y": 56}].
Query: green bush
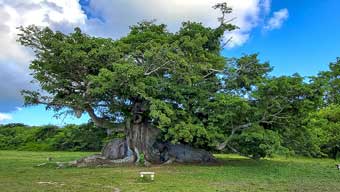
[
  {"x": 323, "y": 129},
  {"x": 86, "y": 137},
  {"x": 34, "y": 146},
  {"x": 80, "y": 138},
  {"x": 257, "y": 142}
]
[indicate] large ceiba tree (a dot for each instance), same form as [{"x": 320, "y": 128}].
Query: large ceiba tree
[{"x": 174, "y": 92}]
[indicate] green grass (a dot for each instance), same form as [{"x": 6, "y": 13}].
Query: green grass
[{"x": 18, "y": 173}]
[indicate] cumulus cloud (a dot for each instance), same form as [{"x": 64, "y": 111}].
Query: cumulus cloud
[
  {"x": 266, "y": 4},
  {"x": 4, "y": 116},
  {"x": 14, "y": 59},
  {"x": 112, "y": 18},
  {"x": 16, "y": 13},
  {"x": 277, "y": 20}
]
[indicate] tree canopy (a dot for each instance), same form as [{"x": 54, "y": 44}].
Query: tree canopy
[{"x": 178, "y": 83}]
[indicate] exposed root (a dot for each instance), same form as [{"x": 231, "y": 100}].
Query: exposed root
[
  {"x": 129, "y": 159},
  {"x": 118, "y": 152},
  {"x": 137, "y": 155},
  {"x": 170, "y": 161}
]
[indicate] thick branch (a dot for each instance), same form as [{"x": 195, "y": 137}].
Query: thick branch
[
  {"x": 101, "y": 122},
  {"x": 221, "y": 146},
  {"x": 264, "y": 119}
]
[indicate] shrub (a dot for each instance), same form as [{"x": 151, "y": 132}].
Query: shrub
[
  {"x": 257, "y": 142},
  {"x": 80, "y": 138},
  {"x": 86, "y": 137}
]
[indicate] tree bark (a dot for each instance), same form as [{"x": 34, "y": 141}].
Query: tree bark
[{"x": 142, "y": 138}]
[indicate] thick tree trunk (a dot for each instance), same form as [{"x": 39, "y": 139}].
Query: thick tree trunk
[{"x": 141, "y": 138}]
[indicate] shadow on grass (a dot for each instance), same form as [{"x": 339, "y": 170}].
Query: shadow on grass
[{"x": 223, "y": 160}]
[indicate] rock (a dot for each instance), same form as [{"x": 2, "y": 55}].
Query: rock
[
  {"x": 187, "y": 154},
  {"x": 115, "y": 149}
]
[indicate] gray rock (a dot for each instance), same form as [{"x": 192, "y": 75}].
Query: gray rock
[
  {"x": 187, "y": 154},
  {"x": 115, "y": 149}
]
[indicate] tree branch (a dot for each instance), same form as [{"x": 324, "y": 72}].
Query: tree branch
[
  {"x": 100, "y": 122},
  {"x": 157, "y": 68},
  {"x": 264, "y": 119}
]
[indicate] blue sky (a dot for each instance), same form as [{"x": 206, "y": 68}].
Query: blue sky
[
  {"x": 293, "y": 35},
  {"x": 306, "y": 43}
]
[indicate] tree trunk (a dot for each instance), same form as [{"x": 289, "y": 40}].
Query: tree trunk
[{"x": 141, "y": 138}]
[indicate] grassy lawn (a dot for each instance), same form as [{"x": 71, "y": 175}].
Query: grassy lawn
[{"x": 18, "y": 173}]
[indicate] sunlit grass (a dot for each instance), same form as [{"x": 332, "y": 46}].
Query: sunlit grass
[{"x": 234, "y": 173}]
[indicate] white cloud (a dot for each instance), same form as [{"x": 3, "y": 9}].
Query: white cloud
[
  {"x": 15, "y": 13},
  {"x": 14, "y": 59},
  {"x": 277, "y": 20},
  {"x": 266, "y": 4},
  {"x": 116, "y": 16},
  {"x": 4, "y": 116}
]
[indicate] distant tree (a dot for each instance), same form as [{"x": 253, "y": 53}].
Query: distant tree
[
  {"x": 14, "y": 125},
  {"x": 284, "y": 103},
  {"x": 272, "y": 109},
  {"x": 330, "y": 82},
  {"x": 323, "y": 125}
]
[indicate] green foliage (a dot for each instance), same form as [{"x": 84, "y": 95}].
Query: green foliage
[
  {"x": 181, "y": 84},
  {"x": 330, "y": 82},
  {"x": 283, "y": 103},
  {"x": 85, "y": 137},
  {"x": 246, "y": 72},
  {"x": 169, "y": 72},
  {"x": 12, "y": 137},
  {"x": 324, "y": 128},
  {"x": 257, "y": 142},
  {"x": 141, "y": 160},
  {"x": 79, "y": 138},
  {"x": 37, "y": 146}
]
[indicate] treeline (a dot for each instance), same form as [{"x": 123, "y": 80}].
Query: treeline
[{"x": 84, "y": 137}]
